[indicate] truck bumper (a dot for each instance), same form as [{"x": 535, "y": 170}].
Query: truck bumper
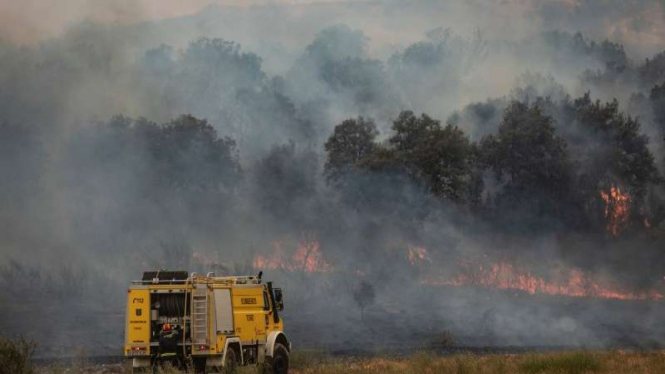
[{"x": 140, "y": 362}]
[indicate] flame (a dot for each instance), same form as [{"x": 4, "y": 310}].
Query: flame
[
  {"x": 306, "y": 258},
  {"x": 617, "y": 209},
  {"x": 310, "y": 258},
  {"x": 277, "y": 260},
  {"x": 417, "y": 255},
  {"x": 506, "y": 276}
]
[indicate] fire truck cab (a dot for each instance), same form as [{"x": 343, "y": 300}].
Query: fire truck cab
[{"x": 222, "y": 322}]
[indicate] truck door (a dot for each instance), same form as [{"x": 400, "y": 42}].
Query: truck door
[
  {"x": 249, "y": 313},
  {"x": 137, "y": 333}
]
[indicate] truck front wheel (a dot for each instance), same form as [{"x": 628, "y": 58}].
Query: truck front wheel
[
  {"x": 231, "y": 363},
  {"x": 279, "y": 364}
]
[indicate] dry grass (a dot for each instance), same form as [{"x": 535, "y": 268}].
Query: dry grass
[
  {"x": 16, "y": 355},
  {"x": 578, "y": 362}
]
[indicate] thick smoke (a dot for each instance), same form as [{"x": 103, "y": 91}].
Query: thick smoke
[{"x": 203, "y": 142}]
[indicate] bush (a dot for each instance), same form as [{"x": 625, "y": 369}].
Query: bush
[
  {"x": 568, "y": 363},
  {"x": 16, "y": 355}
]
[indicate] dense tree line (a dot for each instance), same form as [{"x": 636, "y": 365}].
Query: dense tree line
[
  {"x": 267, "y": 157},
  {"x": 534, "y": 173}
]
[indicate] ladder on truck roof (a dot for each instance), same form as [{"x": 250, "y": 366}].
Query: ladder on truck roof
[
  {"x": 210, "y": 278},
  {"x": 167, "y": 277}
]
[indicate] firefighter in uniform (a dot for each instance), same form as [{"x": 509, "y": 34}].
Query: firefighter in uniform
[{"x": 168, "y": 346}]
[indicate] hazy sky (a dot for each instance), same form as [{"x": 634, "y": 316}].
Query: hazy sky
[
  {"x": 639, "y": 24},
  {"x": 31, "y": 20}
]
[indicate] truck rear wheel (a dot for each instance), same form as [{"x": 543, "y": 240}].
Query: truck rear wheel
[{"x": 279, "y": 364}]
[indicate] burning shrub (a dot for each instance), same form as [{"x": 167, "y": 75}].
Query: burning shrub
[{"x": 15, "y": 355}]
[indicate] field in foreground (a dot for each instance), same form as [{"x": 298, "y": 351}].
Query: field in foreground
[{"x": 577, "y": 362}]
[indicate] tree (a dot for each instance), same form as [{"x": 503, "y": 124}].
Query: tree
[
  {"x": 158, "y": 60},
  {"x": 364, "y": 296},
  {"x": 612, "y": 148},
  {"x": 190, "y": 155},
  {"x": 575, "y": 47},
  {"x": 210, "y": 60},
  {"x": 441, "y": 157},
  {"x": 363, "y": 81},
  {"x": 657, "y": 98},
  {"x": 337, "y": 43},
  {"x": 613, "y": 55},
  {"x": 335, "y": 68},
  {"x": 351, "y": 142},
  {"x": 611, "y": 153},
  {"x": 137, "y": 159},
  {"x": 531, "y": 162},
  {"x": 285, "y": 183},
  {"x": 653, "y": 70},
  {"x": 410, "y": 131}
]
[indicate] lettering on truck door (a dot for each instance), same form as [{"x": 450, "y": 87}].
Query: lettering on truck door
[
  {"x": 248, "y": 313},
  {"x": 138, "y": 318}
]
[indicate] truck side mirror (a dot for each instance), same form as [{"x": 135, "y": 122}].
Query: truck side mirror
[{"x": 279, "y": 301}]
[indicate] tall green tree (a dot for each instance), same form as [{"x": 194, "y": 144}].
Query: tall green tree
[
  {"x": 611, "y": 153},
  {"x": 351, "y": 142},
  {"x": 192, "y": 156},
  {"x": 442, "y": 157},
  {"x": 613, "y": 149},
  {"x": 530, "y": 161}
]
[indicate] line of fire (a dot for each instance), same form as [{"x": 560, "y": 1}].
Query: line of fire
[{"x": 304, "y": 254}]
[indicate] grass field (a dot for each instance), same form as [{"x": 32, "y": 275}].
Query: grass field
[
  {"x": 576, "y": 362},
  {"x": 565, "y": 362}
]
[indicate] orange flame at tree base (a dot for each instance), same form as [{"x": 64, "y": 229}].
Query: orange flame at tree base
[{"x": 617, "y": 209}]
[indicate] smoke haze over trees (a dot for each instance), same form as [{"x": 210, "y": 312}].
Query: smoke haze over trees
[{"x": 180, "y": 143}]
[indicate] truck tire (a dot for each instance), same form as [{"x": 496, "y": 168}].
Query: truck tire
[
  {"x": 197, "y": 365},
  {"x": 231, "y": 362},
  {"x": 279, "y": 363}
]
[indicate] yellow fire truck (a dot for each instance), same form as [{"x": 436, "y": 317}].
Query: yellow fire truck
[{"x": 221, "y": 322}]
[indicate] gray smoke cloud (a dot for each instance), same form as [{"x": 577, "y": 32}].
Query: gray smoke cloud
[{"x": 90, "y": 199}]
